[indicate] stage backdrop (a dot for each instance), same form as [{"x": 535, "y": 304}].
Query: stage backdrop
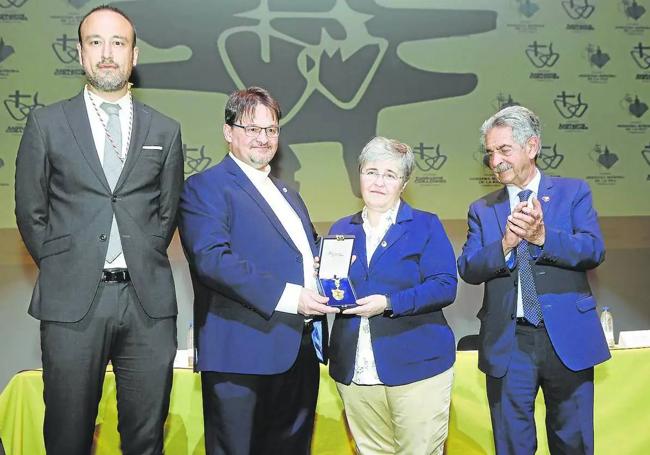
[{"x": 425, "y": 72}]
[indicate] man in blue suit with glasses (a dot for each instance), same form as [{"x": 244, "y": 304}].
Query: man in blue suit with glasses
[{"x": 251, "y": 247}]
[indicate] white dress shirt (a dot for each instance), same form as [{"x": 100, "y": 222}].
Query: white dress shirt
[
  {"x": 99, "y": 137},
  {"x": 365, "y": 369},
  {"x": 291, "y": 222},
  {"x": 513, "y": 195}
]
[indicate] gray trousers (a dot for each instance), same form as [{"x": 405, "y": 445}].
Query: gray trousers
[{"x": 75, "y": 356}]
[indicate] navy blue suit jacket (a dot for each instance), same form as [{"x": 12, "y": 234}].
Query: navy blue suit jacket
[
  {"x": 415, "y": 268},
  {"x": 573, "y": 245},
  {"x": 240, "y": 259}
]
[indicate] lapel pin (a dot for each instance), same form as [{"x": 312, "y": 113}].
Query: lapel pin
[
  {"x": 546, "y": 198},
  {"x": 383, "y": 244}
]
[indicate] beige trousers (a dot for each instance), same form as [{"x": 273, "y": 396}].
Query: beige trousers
[{"x": 410, "y": 419}]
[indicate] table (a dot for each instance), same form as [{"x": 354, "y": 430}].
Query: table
[{"x": 622, "y": 420}]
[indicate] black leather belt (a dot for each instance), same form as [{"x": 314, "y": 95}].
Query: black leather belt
[
  {"x": 526, "y": 322},
  {"x": 115, "y": 276}
]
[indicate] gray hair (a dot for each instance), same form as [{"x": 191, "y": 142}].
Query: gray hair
[
  {"x": 524, "y": 123},
  {"x": 380, "y": 148}
]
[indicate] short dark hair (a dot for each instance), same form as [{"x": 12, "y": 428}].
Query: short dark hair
[
  {"x": 107, "y": 8},
  {"x": 243, "y": 102}
]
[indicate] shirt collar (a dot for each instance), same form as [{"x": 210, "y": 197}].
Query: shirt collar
[
  {"x": 123, "y": 102},
  {"x": 388, "y": 218},
  {"x": 256, "y": 176},
  {"x": 533, "y": 185}
]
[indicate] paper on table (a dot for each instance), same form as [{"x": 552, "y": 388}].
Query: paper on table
[
  {"x": 634, "y": 339},
  {"x": 183, "y": 359}
]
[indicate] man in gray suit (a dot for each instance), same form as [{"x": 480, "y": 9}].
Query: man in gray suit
[{"x": 98, "y": 179}]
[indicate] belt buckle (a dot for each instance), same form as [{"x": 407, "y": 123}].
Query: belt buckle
[
  {"x": 115, "y": 275},
  {"x": 526, "y": 322}
]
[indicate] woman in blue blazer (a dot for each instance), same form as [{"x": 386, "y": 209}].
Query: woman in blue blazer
[{"x": 392, "y": 355}]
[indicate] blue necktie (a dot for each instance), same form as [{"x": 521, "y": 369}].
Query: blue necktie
[{"x": 532, "y": 308}]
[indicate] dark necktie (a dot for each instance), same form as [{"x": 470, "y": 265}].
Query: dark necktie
[
  {"x": 532, "y": 308},
  {"x": 112, "y": 169}
]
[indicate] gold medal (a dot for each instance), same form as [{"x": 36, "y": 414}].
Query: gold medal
[{"x": 338, "y": 293}]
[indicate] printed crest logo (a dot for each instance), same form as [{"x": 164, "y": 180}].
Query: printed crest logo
[
  {"x": 549, "y": 158},
  {"x": 636, "y": 107},
  {"x": 597, "y": 57},
  {"x": 429, "y": 161},
  {"x": 334, "y": 59},
  {"x": 312, "y": 60},
  {"x": 542, "y": 55},
  {"x": 486, "y": 177},
  {"x": 17, "y": 108},
  {"x": 65, "y": 49},
  {"x": 578, "y": 9},
  {"x": 641, "y": 56},
  {"x": 527, "y": 8},
  {"x": 645, "y": 153},
  {"x": 12, "y": 3},
  {"x": 604, "y": 158},
  {"x": 567, "y": 107},
  {"x": 5, "y": 50},
  {"x": 633, "y": 10},
  {"x": 480, "y": 156},
  {"x": 504, "y": 101},
  {"x": 195, "y": 159}
]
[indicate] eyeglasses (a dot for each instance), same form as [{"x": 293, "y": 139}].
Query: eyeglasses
[
  {"x": 254, "y": 131},
  {"x": 388, "y": 177}
]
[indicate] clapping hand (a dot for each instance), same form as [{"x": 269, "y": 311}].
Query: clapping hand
[{"x": 527, "y": 222}]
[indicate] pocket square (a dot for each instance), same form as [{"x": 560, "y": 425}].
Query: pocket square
[{"x": 152, "y": 147}]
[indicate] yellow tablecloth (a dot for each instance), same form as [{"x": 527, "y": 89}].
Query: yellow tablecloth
[{"x": 622, "y": 420}]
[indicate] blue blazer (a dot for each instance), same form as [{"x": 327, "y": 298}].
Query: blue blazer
[
  {"x": 414, "y": 266},
  {"x": 573, "y": 245},
  {"x": 240, "y": 259}
]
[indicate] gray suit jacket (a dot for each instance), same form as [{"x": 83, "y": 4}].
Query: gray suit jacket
[{"x": 64, "y": 208}]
